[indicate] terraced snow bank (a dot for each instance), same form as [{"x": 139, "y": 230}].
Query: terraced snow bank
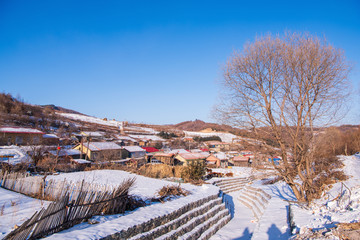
[{"x": 144, "y": 188}]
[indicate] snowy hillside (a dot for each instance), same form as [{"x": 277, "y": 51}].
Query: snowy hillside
[
  {"x": 89, "y": 119},
  {"x": 225, "y": 137}
]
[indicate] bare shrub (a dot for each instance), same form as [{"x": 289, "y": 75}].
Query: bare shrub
[
  {"x": 47, "y": 164},
  {"x": 169, "y": 192},
  {"x": 2, "y": 209}
]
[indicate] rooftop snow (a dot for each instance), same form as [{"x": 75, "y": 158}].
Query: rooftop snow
[
  {"x": 20, "y": 130},
  {"x": 134, "y": 149},
  {"x": 98, "y": 146}
]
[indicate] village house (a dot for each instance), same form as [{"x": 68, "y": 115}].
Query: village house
[
  {"x": 240, "y": 161},
  {"x": 66, "y": 154},
  {"x": 134, "y": 152},
  {"x": 217, "y": 146},
  {"x": 125, "y": 140},
  {"x": 92, "y": 136},
  {"x": 166, "y": 158},
  {"x": 50, "y": 139},
  {"x": 100, "y": 151},
  {"x": 148, "y": 140},
  {"x": 186, "y": 159},
  {"x": 218, "y": 159},
  {"x": 20, "y": 136}
]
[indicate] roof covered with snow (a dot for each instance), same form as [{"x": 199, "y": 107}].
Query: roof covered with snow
[
  {"x": 20, "y": 130},
  {"x": 192, "y": 156},
  {"x": 147, "y": 137},
  {"x": 176, "y": 151},
  {"x": 99, "y": 146},
  {"x": 134, "y": 149}
]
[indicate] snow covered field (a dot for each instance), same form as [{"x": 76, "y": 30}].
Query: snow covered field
[
  {"x": 331, "y": 208},
  {"x": 273, "y": 224},
  {"x": 144, "y": 187},
  {"x": 89, "y": 119},
  {"x": 15, "y": 208}
]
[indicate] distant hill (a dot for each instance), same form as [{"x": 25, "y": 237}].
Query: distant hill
[
  {"x": 61, "y": 109},
  {"x": 199, "y": 125}
]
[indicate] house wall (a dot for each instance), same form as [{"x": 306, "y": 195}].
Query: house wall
[
  {"x": 137, "y": 154},
  {"x": 102, "y": 155},
  {"x": 20, "y": 138}
]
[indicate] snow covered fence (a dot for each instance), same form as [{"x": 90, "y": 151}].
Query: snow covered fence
[
  {"x": 66, "y": 213},
  {"x": 52, "y": 190}
]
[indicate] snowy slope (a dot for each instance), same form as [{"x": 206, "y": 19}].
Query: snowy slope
[
  {"x": 15, "y": 208},
  {"x": 89, "y": 119},
  {"x": 145, "y": 188},
  {"x": 331, "y": 209},
  {"x": 225, "y": 137}
]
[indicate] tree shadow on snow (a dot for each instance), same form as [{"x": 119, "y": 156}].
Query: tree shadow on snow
[
  {"x": 275, "y": 233},
  {"x": 284, "y": 192},
  {"x": 246, "y": 235}
]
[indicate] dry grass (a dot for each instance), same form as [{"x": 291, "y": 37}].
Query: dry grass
[
  {"x": 2, "y": 209},
  {"x": 168, "y": 192},
  {"x": 160, "y": 171}
]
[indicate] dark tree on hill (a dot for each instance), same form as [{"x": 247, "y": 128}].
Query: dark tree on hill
[{"x": 288, "y": 85}]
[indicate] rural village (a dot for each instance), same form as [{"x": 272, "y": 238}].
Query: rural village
[
  {"x": 65, "y": 175},
  {"x": 180, "y": 120}
]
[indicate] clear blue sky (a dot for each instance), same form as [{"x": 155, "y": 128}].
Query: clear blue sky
[{"x": 150, "y": 61}]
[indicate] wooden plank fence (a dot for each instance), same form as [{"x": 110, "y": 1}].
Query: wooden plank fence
[
  {"x": 40, "y": 188},
  {"x": 75, "y": 203}
]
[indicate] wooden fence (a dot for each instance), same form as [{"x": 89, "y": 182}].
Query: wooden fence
[
  {"x": 74, "y": 203},
  {"x": 51, "y": 190}
]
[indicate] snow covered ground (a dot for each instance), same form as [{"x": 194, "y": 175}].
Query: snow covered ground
[
  {"x": 144, "y": 187},
  {"x": 225, "y": 137},
  {"x": 273, "y": 224},
  {"x": 90, "y": 119},
  {"x": 341, "y": 204},
  {"x": 15, "y": 208}
]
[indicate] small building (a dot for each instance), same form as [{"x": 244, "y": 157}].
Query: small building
[
  {"x": 186, "y": 159},
  {"x": 148, "y": 140},
  {"x": 92, "y": 136},
  {"x": 125, "y": 140},
  {"x": 50, "y": 139},
  {"x": 66, "y": 154},
  {"x": 218, "y": 146},
  {"x": 20, "y": 136},
  {"x": 166, "y": 158},
  {"x": 134, "y": 152},
  {"x": 100, "y": 151},
  {"x": 218, "y": 159},
  {"x": 240, "y": 161}
]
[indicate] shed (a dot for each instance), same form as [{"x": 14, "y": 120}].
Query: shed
[
  {"x": 134, "y": 152},
  {"x": 100, "y": 151}
]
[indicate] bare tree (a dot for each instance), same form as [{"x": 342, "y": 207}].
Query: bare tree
[{"x": 286, "y": 86}]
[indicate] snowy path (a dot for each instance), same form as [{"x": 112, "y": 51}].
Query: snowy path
[
  {"x": 241, "y": 226},
  {"x": 273, "y": 224}
]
